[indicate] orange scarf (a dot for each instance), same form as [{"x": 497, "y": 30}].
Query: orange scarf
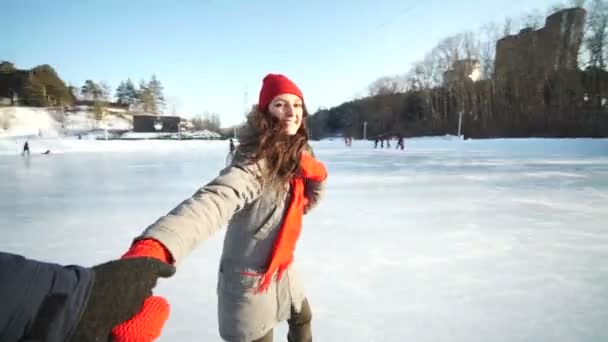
[{"x": 285, "y": 244}]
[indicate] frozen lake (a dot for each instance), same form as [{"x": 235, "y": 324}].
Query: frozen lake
[{"x": 497, "y": 240}]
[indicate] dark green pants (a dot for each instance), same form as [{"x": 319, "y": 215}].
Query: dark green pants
[{"x": 299, "y": 326}]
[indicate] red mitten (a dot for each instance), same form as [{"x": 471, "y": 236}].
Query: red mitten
[
  {"x": 149, "y": 248},
  {"x": 145, "y": 326},
  {"x": 312, "y": 168}
]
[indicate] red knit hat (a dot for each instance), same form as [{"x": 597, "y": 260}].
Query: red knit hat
[{"x": 276, "y": 84}]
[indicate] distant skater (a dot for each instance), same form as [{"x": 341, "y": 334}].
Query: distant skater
[
  {"x": 231, "y": 146},
  {"x": 230, "y": 155},
  {"x": 400, "y": 144},
  {"x": 26, "y": 149}
]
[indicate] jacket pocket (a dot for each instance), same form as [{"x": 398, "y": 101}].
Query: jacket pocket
[
  {"x": 239, "y": 283},
  {"x": 266, "y": 225}
]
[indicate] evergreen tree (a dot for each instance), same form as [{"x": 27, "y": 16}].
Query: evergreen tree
[
  {"x": 121, "y": 95},
  {"x": 132, "y": 95},
  {"x": 126, "y": 93},
  {"x": 146, "y": 98},
  {"x": 156, "y": 89},
  {"x": 34, "y": 92},
  {"x": 90, "y": 90}
]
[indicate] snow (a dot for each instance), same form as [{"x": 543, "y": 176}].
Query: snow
[
  {"x": 145, "y": 135},
  {"x": 28, "y": 122},
  {"x": 204, "y": 134},
  {"x": 82, "y": 122},
  {"x": 449, "y": 240},
  {"x": 34, "y": 123},
  {"x": 23, "y": 121}
]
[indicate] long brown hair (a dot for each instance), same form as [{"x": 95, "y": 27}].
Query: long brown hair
[{"x": 263, "y": 138}]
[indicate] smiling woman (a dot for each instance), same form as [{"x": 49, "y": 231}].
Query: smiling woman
[
  {"x": 284, "y": 101},
  {"x": 288, "y": 108},
  {"x": 272, "y": 181}
]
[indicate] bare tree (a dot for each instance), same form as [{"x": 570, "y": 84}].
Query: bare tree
[
  {"x": 577, "y": 3},
  {"x": 488, "y": 36},
  {"x": 359, "y": 94},
  {"x": 423, "y": 74},
  {"x": 555, "y": 8},
  {"x": 174, "y": 104},
  {"x": 214, "y": 122},
  {"x": 387, "y": 85},
  {"x": 597, "y": 39},
  {"x": 470, "y": 45},
  {"x": 104, "y": 91},
  {"x": 447, "y": 51},
  {"x": 507, "y": 27},
  {"x": 533, "y": 20},
  {"x": 209, "y": 121},
  {"x": 435, "y": 60},
  {"x": 197, "y": 123}
]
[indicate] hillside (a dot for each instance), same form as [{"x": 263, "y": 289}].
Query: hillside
[{"x": 33, "y": 121}]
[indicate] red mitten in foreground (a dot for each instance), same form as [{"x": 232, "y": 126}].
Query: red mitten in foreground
[{"x": 147, "y": 325}]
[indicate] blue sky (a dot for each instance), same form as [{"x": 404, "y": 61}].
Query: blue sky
[{"x": 208, "y": 54}]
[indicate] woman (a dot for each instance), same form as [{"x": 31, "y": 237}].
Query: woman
[{"x": 271, "y": 182}]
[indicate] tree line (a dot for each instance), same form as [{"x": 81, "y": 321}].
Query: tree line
[
  {"x": 494, "y": 99},
  {"x": 147, "y": 98}
]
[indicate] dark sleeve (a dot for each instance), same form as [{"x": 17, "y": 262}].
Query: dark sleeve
[
  {"x": 313, "y": 190},
  {"x": 45, "y": 296}
]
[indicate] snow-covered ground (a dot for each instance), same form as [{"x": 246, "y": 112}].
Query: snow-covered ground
[
  {"x": 490, "y": 240},
  {"x": 27, "y": 122}
]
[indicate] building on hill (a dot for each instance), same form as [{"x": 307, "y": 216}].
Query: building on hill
[
  {"x": 154, "y": 123},
  {"x": 537, "y": 53},
  {"x": 463, "y": 70}
]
